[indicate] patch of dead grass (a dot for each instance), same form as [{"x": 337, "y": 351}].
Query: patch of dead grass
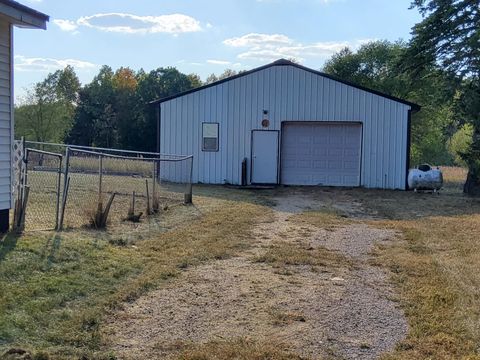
[
  {"x": 283, "y": 254},
  {"x": 240, "y": 349},
  {"x": 282, "y": 317},
  {"x": 454, "y": 175},
  {"x": 327, "y": 218}
]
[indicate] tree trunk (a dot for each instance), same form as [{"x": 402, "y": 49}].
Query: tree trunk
[{"x": 472, "y": 185}]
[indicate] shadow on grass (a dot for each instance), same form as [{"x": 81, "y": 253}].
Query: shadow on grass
[
  {"x": 8, "y": 243},
  {"x": 51, "y": 248}
]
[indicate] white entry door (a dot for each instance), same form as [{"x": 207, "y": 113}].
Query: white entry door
[
  {"x": 264, "y": 157},
  {"x": 316, "y": 153}
]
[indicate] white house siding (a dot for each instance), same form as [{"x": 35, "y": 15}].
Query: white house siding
[
  {"x": 5, "y": 115},
  {"x": 289, "y": 94}
]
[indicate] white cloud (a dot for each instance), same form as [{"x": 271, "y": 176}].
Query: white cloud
[
  {"x": 256, "y": 40},
  {"x": 219, "y": 62},
  {"x": 134, "y": 24},
  {"x": 65, "y": 25},
  {"x": 23, "y": 63},
  {"x": 268, "y": 47}
]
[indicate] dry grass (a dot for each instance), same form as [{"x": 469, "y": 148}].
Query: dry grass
[
  {"x": 112, "y": 165},
  {"x": 282, "y": 317},
  {"x": 436, "y": 269},
  {"x": 241, "y": 349},
  {"x": 438, "y": 274},
  {"x": 327, "y": 219},
  {"x": 454, "y": 176},
  {"x": 285, "y": 254}
]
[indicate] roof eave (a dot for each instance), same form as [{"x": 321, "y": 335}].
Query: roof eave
[{"x": 23, "y": 16}]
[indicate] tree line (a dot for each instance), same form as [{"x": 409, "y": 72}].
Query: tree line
[
  {"x": 111, "y": 111},
  {"x": 438, "y": 69}
]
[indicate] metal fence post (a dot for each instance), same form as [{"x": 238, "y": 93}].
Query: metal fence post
[
  {"x": 66, "y": 183},
  {"x": 59, "y": 182},
  {"x": 188, "y": 190},
  {"x": 154, "y": 183},
  {"x": 64, "y": 202},
  {"x": 100, "y": 178}
]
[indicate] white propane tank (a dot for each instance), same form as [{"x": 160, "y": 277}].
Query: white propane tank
[{"x": 424, "y": 177}]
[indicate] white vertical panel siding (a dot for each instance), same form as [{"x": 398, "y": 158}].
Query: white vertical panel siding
[
  {"x": 5, "y": 116},
  {"x": 289, "y": 94}
]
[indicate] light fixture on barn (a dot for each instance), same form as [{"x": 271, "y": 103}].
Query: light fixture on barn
[{"x": 265, "y": 121}]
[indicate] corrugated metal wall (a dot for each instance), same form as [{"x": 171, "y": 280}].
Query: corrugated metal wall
[
  {"x": 5, "y": 116},
  {"x": 289, "y": 94}
]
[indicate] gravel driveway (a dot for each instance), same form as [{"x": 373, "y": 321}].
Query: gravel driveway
[{"x": 323, "y": 312}]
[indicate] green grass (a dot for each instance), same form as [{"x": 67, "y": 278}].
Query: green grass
[
  {"x": 53, "y": 287},
  {"x": 56, "y": 289}
]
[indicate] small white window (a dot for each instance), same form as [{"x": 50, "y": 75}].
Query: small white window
[{"x": 210, "y": 136}]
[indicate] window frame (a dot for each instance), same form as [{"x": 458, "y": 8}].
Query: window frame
[{"x": 218, "y": 136}]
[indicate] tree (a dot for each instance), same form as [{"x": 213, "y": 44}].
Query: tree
[
  {"x": 378, "y": 65},
  {"x": 460, "y": 143},
  {"x": 226, "y": 74},
  {"x": 47, "y": 111},
  {"x": 114, "y": 110},
  {"x": 126, "y": 107},
  {"x": 94, "y": 122},
  {"x": 449, "y": 35},
  {"x": 157, "y": 84}
]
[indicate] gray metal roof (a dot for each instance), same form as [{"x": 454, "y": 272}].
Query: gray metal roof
[{"x": 284, "y": 62}]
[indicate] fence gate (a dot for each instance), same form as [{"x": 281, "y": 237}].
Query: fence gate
[{"x": 44, "y": 178}]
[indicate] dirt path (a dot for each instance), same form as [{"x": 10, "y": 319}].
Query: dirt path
[{"x": 340, "y": 312}]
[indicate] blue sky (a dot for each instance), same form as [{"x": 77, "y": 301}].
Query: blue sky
[{"x": 199, "y": 36}]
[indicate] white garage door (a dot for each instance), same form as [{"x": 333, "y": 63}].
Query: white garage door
[{"x": 319, "y": 153}]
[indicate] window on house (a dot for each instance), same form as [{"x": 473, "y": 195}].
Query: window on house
[{"x": 210, "y": 136}]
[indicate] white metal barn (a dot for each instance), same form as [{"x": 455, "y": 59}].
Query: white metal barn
[
  {"x": 291, "y": 125},
  {"x": 11, "y": 14}
]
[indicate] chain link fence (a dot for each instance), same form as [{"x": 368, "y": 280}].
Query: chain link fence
[
  {"x": 43, "y": 177},
  {"x": 71, "y": 185}
]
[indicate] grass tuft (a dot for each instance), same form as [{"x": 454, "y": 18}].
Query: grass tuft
[
  {"x": 283, "y": 318},
  {"x": 284, "y": 254}
]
